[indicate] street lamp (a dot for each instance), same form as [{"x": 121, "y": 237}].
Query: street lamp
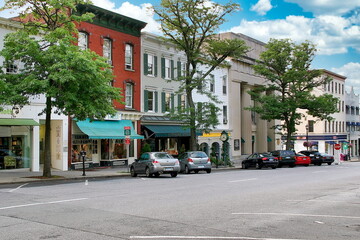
[{"x": 307, "y": 137}]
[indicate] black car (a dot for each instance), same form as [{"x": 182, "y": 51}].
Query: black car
[
  {"x": 285, "y": 157},
  {"x": 260, "y": 160},
  {"x": 318, "y": 158},
  {"x": 315, "y": 157}
]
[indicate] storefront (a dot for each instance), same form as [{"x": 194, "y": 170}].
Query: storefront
[
  {"x": 106, "y": 143},
  {"x": 16, "y": 148}
]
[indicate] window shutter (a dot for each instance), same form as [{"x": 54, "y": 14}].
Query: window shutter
[
  {"x": 163, "y": 67},
  {"x": 155, "y": 66},
  {"x": 172, "y": 101},
  {"x": 156, "y": 102},
  {"x": 146, "y": 101},
  {"x": 179, "y": 69},
  {"x": 163, "y": 102},
  {"x": 172, "y": 69},
  {"x": 145, "y": 64}
]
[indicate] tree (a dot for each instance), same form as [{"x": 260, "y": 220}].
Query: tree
[
  {"x": 190, "y": 25},
  {"x": 290, "y": 84},
  {"x": 74, "y": 82}
]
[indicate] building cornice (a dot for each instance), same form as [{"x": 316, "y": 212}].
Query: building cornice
[{"x": 112, "y": 20}]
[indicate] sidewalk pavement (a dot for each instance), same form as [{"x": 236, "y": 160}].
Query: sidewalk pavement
[{"x": 25, "y": 176}]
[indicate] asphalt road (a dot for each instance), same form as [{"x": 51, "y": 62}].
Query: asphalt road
[{"x": 288, "y": 203}]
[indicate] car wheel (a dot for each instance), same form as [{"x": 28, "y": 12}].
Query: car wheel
[
  {"x": 329, "y": 163},
  {"x": 187, "y": 170},
  {"x": 173, "y": 174},
  {"x": 147, "y": 172},
  {"x": 306, "y": 165},
  {"x": 273, "y": 167},
  {"x": 196, "y": 171},
  {"x": 244, "y": 166},
  {"x": 132, "y": 172},
  {"x": 292, "y": 165},
  {"x": 258, "y": 166},
  {"x": 208, "y": 170},
  {"x": 157, "y": 174}
]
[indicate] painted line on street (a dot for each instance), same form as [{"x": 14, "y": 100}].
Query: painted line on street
[
  {"x": 43, "y": 203},
  {"x": 299, "y": 215},
  {"x": 319, "y": 171},
  {"x": 12, "y": 190},
  {"x": 205, "y": 237},
  {"x": 243, "y": 180}
]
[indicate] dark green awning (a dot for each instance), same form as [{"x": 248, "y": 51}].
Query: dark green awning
[
  {"x": 169, "y": 130},
  {"x": 18, "y": 122},
  {"x": 110, "y": 129}
]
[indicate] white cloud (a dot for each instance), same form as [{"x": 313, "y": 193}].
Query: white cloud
[
  {"x": 262, "y": 7},
  {"x": 330, "y": 34},
  {"x": 352, "y": 72},
  {"x": 334, "y": 7},
  {"x": 141, "y": 13}
]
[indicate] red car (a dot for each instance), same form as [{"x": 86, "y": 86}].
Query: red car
[{"x": 301, "y": 159}]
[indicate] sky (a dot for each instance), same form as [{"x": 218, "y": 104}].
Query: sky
[{"x": 332, "y": 25}]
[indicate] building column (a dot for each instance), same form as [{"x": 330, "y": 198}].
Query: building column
[
  {"x": 246, "y": 123},
  {"x": 35, "y": 149}
]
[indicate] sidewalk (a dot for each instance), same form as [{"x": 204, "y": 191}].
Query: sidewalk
[{"x": 25, "y": 176}]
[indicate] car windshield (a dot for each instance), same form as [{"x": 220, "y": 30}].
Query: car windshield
[
  {"x": 265, "y": 155},
  {"x": 198, "y": 155},
  {"x": 162, "y": 155}
]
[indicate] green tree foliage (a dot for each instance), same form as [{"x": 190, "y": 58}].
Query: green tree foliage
[
  {"x": 290, "y": 84},
  {"x": 74, "y": 82},
  {"x": 190, "y": 25}
]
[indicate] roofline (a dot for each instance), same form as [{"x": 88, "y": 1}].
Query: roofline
[{"x": 332, "y": 73}]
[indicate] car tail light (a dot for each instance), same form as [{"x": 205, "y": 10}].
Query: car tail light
[
  {"x": 264, "y": 159},
  {"x": 190, "y": 160},
  {"x": 155, "y": 161},
  {"x": 177, "y": 162},
  {"x": 208, "y": 160},
  {"x": 280, "y": 158},
  {"x": 276, "y": 158}
]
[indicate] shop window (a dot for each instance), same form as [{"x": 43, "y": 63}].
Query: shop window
[
  {"x": 83, "y": 40},
  {"x": 129, "y": 56},
  {"x": 107, "y": 50},
  {"x": 129, "y": 91},
  {"x": 115, "y": 149}
]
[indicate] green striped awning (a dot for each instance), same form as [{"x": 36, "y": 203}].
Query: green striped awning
[{"x": 18, "y": 122}]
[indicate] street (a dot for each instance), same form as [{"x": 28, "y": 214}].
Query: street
[{"x": 315, "y": 202}]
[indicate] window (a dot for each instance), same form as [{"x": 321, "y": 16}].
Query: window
[
  {"x": 212, "y": 83},
  {"x": 167, "y": 101},
  {"x": 11, "y": 68},
  {"x": 182, "y": 102},
  {"x": 336, "y": 87},
  {"x": 129, "y": 56},
  {"x": 107, "y": 50},
  {"x": 200, "y": 81},
  {"x": 311, "y": 125},
  {"x": 224, "y": 84},
  {"x": 225, "y": 119},
  {"x": 83, "y": 40},
  {"x": 167, "y": 68},
  {"x": 150, "y": 65},
  {"x": 325, "y": 126},
  {"x": 129, "y": 95},
  {"x": 150, "y": 101}
]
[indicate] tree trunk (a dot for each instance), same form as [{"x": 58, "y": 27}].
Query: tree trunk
[
  {"x": 47, "y": 160},
  {"x": 193, "y": 137}
]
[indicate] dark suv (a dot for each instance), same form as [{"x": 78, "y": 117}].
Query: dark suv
[{"x": 285, "y": 157}]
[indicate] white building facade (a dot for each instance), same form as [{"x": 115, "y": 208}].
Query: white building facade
[{"x": 352, "y": 122}]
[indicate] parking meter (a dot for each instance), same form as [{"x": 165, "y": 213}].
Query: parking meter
[{"x": 83, "y": 154}]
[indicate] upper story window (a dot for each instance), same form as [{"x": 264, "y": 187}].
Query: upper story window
[
  {"x": 311, "y": 125},
  {"x": 167, "y": 100},
  {"x": 107, "y": 50},
  {"x": 129, "y": 56},
  {"x": 167, "y": 68},
  {"x": 225, "y": 118},
  {"x": 11, "y": 68},
  {"x": 212, "y": 83},
  {"x": 129, "y": 93},
  {"x": 83, "y": 40},
  {"x": 150, "y": 101},
  {"x": 150, "y": 65},
  {"x": 224, "y": 84}
]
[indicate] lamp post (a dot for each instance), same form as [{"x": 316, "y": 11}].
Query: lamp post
[{"x": 307, "y": 137}]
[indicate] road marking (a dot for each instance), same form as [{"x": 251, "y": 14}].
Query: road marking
[
  {"x": 205, "y": 237},
  {"x": 319, "y": 171},
  {"x": 299, "y": 214},
  {"x": 43, "y": 203},
  {"x": 243, "y": 180},
  {"x": 12, "y": 190}
]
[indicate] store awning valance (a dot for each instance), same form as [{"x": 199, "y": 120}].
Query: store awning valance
[
  {"x": 18, "y": 122},
  {"x": 110, "y": 129},
  {"x": 169, "y": 130}
]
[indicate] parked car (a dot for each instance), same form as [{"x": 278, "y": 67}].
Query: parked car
[
  {"x": 315, "y": 156},
  {"x": 327, "y": 158},
  {"x": 302, "y": 159},
  {"x": 194, "y": 161},
  {"x": 260, "y": 160},
  {"x": 285, "y": 157},
  {"x": 155, "y": 163}
]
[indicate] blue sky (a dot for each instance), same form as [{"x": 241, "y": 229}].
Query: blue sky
[{"x": 332, "y": 25}]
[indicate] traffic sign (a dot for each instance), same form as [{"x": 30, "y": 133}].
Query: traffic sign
[
  {"x": 337, "y": 146},
  {"x": 127, "y": 131},
  {"x": 127, "y": 141}
]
